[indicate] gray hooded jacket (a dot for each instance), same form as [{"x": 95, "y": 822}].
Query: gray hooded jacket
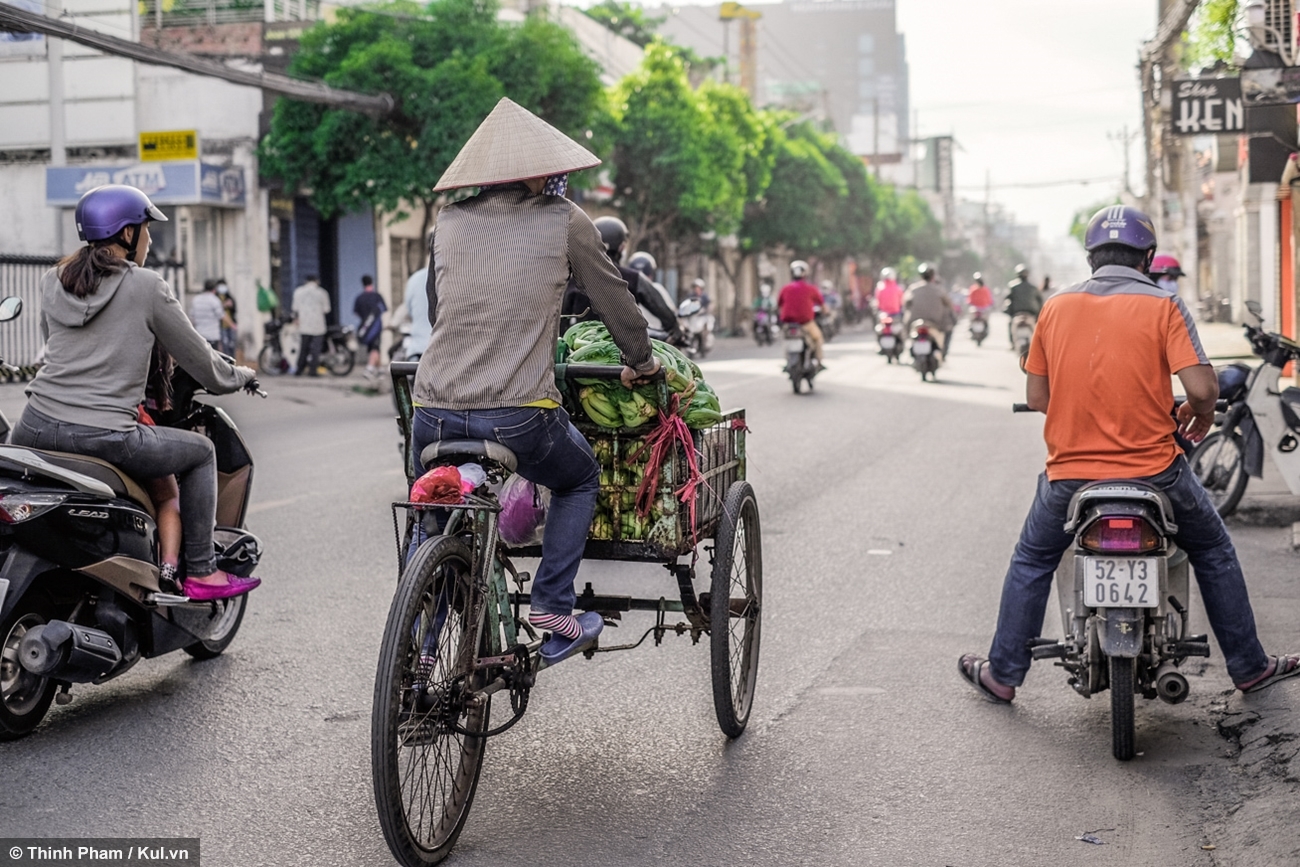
[{"x": 98, "y": 347}]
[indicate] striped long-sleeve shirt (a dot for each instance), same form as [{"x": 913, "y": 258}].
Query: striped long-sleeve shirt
[{"x": 500, "y": 264}]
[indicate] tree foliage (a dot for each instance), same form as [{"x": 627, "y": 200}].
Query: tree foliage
[
  {"x": 627, "y": 20},
  {"x": 1211, "y": 36},
  {"x": 445, "y": 65},
  {"x": 1079, "y": 225}
]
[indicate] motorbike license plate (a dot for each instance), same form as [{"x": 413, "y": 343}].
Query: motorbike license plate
[
  {"x": 1121, "y": 582},
  {"x": 921, "y": 347},
  {"x": 887, "y": 341},
  {"x": 794, "y": 346}
]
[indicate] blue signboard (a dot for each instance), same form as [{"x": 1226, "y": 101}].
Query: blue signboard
[{"x": 190, "y": 182}]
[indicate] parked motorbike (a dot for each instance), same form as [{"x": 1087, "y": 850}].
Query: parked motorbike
[
  {"x": 1022, "y": 332},
  {"x": 1123, "y": 596},
  {"x": 271, "y": 360},
  {"x": 926, "y": 349},
  {"x": 979, "y": 327},
  {"x": 1258, "y": 418},
  {"x": 764, "y": 327},
  {"x": 697, "y": 326},
  {"x": 339, "y": 354},
  {"x": 800, "y": 365},
  {"x": 889, "y": 334},
  {"x": 80, "y": 593}
]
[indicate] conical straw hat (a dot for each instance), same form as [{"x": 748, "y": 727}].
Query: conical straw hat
[{"x": 512, "y": 144}]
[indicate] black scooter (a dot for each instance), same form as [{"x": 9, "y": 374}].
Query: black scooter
[{"x": 80, "y": 597}]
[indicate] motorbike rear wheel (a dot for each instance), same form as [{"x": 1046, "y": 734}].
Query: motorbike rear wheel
[
  {"x": 223, "y": 626},
  {"x": 1219, "y": 464},
  {"x": 1121, "y": 708},
  {"x": 426, "y": 754},
  {"x": 339, "y": 360},
  {"x": 24, "y": 697},
  {"x": 270, "y": 361}
]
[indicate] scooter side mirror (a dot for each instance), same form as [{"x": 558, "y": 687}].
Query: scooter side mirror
[
  {"x": 10, "y": 308},
  {"x": 1253, "y": 306}
]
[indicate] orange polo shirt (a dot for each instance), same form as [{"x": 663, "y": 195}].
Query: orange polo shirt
[{"x": 1108, "y": 348}]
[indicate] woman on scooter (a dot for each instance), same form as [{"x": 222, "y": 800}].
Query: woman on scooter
[{"x": 101, "y": 314}]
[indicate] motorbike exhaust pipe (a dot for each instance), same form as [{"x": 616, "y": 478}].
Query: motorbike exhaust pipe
[
  {"x": 68, "y": 652},
  {"x": 1171, "y": 686}
]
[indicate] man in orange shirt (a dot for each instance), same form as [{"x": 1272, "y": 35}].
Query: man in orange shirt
[{"x": 1100, "y": 367}]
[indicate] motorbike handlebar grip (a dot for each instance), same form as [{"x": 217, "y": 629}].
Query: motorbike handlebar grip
[{"x": 1020, "y": 407}]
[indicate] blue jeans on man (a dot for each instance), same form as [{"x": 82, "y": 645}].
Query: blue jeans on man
[
  {"x": 550, "y": 452},
  {"x": 1201, "y": 534}
]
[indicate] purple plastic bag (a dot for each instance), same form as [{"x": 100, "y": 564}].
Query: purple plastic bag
[{"x": 523, "y": 511}]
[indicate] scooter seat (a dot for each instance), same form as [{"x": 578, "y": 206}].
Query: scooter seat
[
  {"x": 461, "y": 451},
  {"x": 121, "y": 484}
]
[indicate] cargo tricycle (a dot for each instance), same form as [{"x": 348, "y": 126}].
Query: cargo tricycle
[{"x": 458, "y": 645}]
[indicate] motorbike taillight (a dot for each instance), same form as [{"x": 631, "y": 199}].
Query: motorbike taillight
[
  {"x": 16, "y": 508},
  {"x": 1120, "y": 535}
]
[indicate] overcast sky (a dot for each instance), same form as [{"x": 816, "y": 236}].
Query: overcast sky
[{"x": 1033, "y": 90}]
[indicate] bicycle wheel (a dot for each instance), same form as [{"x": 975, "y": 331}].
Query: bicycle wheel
[
  {"x": 1219, "y": 463},
  {"x": 1121, "y": 708},
  {"x": 425, "y": 757},
  {"x": 735, "y": 608}
]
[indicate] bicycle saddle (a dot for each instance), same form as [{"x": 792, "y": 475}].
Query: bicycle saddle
[{"x": 460, "y": 451}]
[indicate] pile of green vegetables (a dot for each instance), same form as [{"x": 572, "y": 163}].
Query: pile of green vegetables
[
  {"x": 612, "y": 406},
  {"x": 623, "y": 464}
]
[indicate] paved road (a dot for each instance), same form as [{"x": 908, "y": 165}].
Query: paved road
[{"x": 889, "y": 510}]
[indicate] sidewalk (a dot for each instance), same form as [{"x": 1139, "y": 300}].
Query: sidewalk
[{"x": 1224, "y": 341}]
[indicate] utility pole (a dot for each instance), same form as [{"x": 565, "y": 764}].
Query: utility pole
[
  {"x": 1126, "y": 140},
  {"x": 875, "y": 135},
  {"x": 988, "y": 187},
  {"x": 58, "y": 120},
  {"x": 748, "y": 18}
]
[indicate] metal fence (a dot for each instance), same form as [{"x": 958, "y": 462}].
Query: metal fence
[{"x": 20, "y": 339}]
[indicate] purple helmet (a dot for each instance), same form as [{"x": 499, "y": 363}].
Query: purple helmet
[
  {"x": 1120, "y": 224},
  {"x": 105, "y": 211}
]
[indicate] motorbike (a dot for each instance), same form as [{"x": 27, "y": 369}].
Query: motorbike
[
  {"x": 889, "y": 334},
  {"x": 828, "y": 320},
  {"x": 80, "y": 594},
  {"x": 271, "y": 360},
  {"x": 339, "y": 353},
  {"x": 1022, "y": 332},
  {"x": 1123, "y": 595},
  {"x": 979, "y": 327},
  {"x": 697, "y": 326},
  {"x": 1258, "y": 418},
  {"x": 764, "y": 327},
  {"x": 926, "y": 350},
  {"x": 800, "y": 365}
]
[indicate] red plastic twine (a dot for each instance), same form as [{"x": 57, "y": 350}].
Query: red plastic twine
[{"x": 667, "y": 434}]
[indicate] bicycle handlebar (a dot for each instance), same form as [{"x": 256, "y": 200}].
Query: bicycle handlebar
[
  {"x": 1219, "y": 405},
  {"x": 599, "y": 371}
]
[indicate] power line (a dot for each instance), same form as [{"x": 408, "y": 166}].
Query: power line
[{"x": 1028, "y": 185}]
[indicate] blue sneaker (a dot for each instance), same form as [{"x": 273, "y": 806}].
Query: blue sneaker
[{"x": 557, "y": 648}]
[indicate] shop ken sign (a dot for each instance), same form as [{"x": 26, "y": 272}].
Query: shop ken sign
[{"x": 1208, "y": 106}]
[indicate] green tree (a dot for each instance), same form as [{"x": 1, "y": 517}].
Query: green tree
[
  {"x": 678, "y": 169},
  {"x": 627, "y": 20},
  {"x": 1079, "y": 225},
  {"x": 446, "y": 65},
  {"x": 905, "y": 226},
  {"x": 799, "y": 207},
  {"x": 1211, "y": 36}
]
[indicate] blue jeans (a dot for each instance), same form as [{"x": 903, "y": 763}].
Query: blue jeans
[
  {"x": 146, "y": 452},
  {"x": 551, "y": 453},
  {"x": 1200, "y": 533}
]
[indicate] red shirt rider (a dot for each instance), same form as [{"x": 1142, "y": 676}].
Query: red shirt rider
[
  {"x": 979, "y": 297},
  {"x": 797, "y": 300}
]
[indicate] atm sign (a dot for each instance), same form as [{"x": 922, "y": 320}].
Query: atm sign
[{"x": 177, "y": 144}]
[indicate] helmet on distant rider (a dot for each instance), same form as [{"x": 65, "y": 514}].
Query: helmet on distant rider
[
  {"x": 613, "y": 232},
  {"x": 798, "y": 268},
  {"x": 926, "y": 270},
  {"x": 1120, "y": 224},
  {"x": 104, "y": 211},
  {"x": 698, "y": 283},
  {"x": 888, "y": 274},
  {"x": 1166, "y": 266},
  {"x": 645, "y": 263},
  {"x": 978, "y": 278},
  {"x": 1022, "y": 270},
  {"x": 765, "y": 289}
]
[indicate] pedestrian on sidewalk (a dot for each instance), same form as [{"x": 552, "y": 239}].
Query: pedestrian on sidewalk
[
  {"x": 229, "y": 324},
  {"x": 311, "y": 303},
  {"x": 369, "y": 309},
  {"x": 206, "y": 312}
]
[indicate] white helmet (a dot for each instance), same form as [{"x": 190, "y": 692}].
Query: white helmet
[
  {"x": 888, "y": 274},
  {"x": 798, "y": 268},
  {"x": 765, "y": 289}
]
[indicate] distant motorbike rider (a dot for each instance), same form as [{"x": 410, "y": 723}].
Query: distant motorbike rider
[
  {"x": 577, "y": 306},
  {"x": 1022, "y": 297},
  {"x": 1100, "y": 368},
  {"x": 978, "y": 296},
  {"x": 1165, "y": 270},
  {"x": 926, "y": 299},
  {"x": 798, "y": 302},
  {"x": 889, "y": 295}
]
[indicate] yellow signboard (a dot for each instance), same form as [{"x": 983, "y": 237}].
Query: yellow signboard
[{"x": 176, "y": 144}]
